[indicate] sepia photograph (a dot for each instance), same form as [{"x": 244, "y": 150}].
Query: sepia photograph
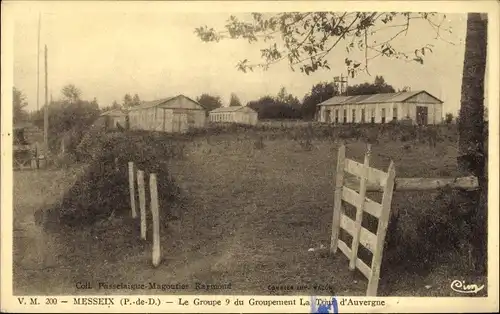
[{"x": 249, "y": 152}]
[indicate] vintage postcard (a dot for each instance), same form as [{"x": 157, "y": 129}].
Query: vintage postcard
[{"x": 249, "y": 156}]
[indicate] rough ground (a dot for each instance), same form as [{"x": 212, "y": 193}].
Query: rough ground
[{"x": 248, "y": 218}]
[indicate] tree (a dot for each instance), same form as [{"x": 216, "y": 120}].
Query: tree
[
  {"x": 269, "y": 107},
  {"x": 282, "y": 95},
  {"x": 234, "y": 101},
  {"x": 448, "y": 118},
  {"x": 19, "y": 103},
  {"x": 209, "y": 102},
  {"x": 379, "y": 86},
  {"x": 127, "y": 101},
  {"x": 71, "y": 93},
  {"x": 319, "y": 93},
  {"x": 115, "y": 105},
  {"x": 306, "y": 39},
  {"x": 471, "y": 125},
  {"x": 136, "y": 101}
]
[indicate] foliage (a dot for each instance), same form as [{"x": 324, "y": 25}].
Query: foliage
[
  {"x": 114, "y": 105},
  {"x": 136, "y": 101},
  {"x": 379, "y": 86},
  {"x": 417, "y": 235},
  {"x": 127, "y": 101},
  {"x": 286, "y": 98},
  {"x": 269, "y": 107},
  {"x": 19, "y": 103},
  {"x": 68, "y": 115},
  {"x": 71, "y": 93},
  {"x": 234, "y": 101},
  {"x": 306, "y": 39},
  {"x": 319, "y": 93},
  {"x": 209, "y": 102},
  {"x": 103, "y": 189},
  {"x": 449, "y": 118}
]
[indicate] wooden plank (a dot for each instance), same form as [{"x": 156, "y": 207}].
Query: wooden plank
[
  {"x": 381, "y": 232},
  {"x": 156, "y": 219},
  {"x": 366, "y": 238},
  {"x": 418, "y": 184},
  {"x": 424, "y": 184},
  {"x": 142, "y": 202},
  {"x": 363, "y": 268},
  {"x": 131, "y": 183},
  {"x": 359, "y": 210},
  {"x": 375, "y": 176},
  {"x": 352, "y": 197},
  {"x": 337, "y": 201}
]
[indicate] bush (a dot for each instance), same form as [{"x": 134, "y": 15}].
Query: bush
[
  {"x": 103, "y": 188},
  {"x": 418, "y": 235}
]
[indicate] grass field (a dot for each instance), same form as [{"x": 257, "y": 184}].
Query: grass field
[{"x": 248, "y": 217}]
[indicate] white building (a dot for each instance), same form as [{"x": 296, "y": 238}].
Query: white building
[
  {"x": 419, "y": 106},
  {"x": 239, "y": 114}
]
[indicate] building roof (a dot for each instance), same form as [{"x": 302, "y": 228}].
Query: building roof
[
  {"x": 374, "y": 98},
  {"x": 158, "y": 102},
  {"x": 118, "y": 112},
  {"x": 152, "y": 103},
  {"x": 231, "y": 109}
]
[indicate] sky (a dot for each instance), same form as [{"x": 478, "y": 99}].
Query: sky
[{"x": 155, "y": 53}]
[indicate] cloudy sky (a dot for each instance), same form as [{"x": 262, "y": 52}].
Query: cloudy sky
[{"x": 107, "y": 52}]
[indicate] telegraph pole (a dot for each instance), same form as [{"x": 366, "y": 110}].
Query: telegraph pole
[
  {"x": 46, "y": 111},
  {"x": 38, "y": 65}
]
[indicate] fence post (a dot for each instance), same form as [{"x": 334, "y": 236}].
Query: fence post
[
  {"x": 131, "y": 183},
  {"x": 156, "y": 219},
  {"x": 360, "y": 210},
  {"x": 381, "y": 232},
  {"x": 142, "y": 202},
  {"x": 337, "y": 205}
]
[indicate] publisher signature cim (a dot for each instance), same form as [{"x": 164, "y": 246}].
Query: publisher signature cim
[{"x": 462, "y": 287}]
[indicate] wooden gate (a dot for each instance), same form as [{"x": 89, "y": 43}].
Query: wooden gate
[
  {"x": 373, "y": 242},
  {"x": 422, "y": 115}
]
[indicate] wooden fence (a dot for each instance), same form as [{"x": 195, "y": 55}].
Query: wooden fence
[
  {"x": 154, "y": 206},
  {"x": 353, "y": 191},
  {"x": 373, "y": 242}
]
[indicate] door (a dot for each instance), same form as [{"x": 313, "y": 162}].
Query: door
[
  {"x": 422, "y": 115},
  {"x": 327, "y": 116},
  {"x": 183, "y": 123}
]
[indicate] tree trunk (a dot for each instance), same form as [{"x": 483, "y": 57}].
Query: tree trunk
[
  {"x": 472, "y": 156},
  {"x": 471, "y": 118}
]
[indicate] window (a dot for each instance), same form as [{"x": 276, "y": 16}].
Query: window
[
  {"x": 395, "y": 113},
  {"x": 345, "y": 115},
  {"x": 373, "y": 116},
  {"x": 353, "y": 115},
  {"x": 336, "y": 116},
  {"x": 383, "y": 115},
  {"x": 363, "y": 115}
]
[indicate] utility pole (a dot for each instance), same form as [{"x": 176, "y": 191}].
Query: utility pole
[
  {"x": 38, "y": 66},
  {"x": 46, "y": 111}
]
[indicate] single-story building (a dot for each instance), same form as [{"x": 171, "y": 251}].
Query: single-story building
[
  {"x": 418, "y": 106},
  {"x": 115, "y": 118},
  {"x": 235, "y": 114},
  {"x": 174, "y": 115}
]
